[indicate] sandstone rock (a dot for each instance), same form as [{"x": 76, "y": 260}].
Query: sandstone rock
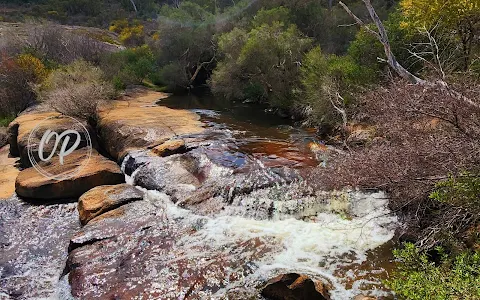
[
  {"x": 8, "y": 173},
  {"x": 294, "y": 287},
  {"x": 19, "y": 131},
  {"x": 362, "y": 297},
  {"x": 137, "y": 123},
  {"x": 145, "y": 253},
  {"x": 169, "y": 148},
  {"x": 105, "y": 198},
  {"x": 172, "y": 175},
  {"x": 98, "y": 171}
]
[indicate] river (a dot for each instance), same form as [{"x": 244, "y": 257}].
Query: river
[{"x": 255, "y": 161}]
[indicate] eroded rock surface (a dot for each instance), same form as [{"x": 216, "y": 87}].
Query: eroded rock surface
[
  {"x": 295, "y": 287},
  {"x": 33, "y": 248},
  {"x": 97, "y": 171},
  {"x": 105, "y": 198},
  {"x": 3, "y": 136},
  {"x": 20, "y": 129},
  {"x": 137, "y": 123}
]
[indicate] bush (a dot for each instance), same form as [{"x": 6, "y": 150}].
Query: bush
[
  {"x": 17, "y": 79},
  {"x": 422, "y": 135},
  {"x": 129, "y": 66},
  {"x": 417, "y": 277},
  {"x": 131, "y": 35},
  {"x": 76, "y": 90},
  {"x": 262, "y": 63},
  {"x": 52, "y": 42},
  {"x": 461, "y": 191}
]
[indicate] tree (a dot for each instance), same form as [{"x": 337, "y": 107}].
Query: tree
[
  {"x": 262, "y": 64},
  {"x": 382, "y": 36},
  {"x": 185, "y": 41},
  {"x": 461, "y": 17}
]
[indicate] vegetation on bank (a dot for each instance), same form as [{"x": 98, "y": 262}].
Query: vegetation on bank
[{"x": 422, "y": 142}]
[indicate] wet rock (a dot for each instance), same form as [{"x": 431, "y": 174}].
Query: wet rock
[
  {"x": 137, "y": 123},
  {"x": 98, "y": 171},
  {"x": 145, "y": 253},
  {"x": 170, "y": 175},
  {"x": 3, "y": 137},
  {"x": 295, "y": 287},
  {"x": 105, "y": 198},
  {"x": 19, "y": 132},
  {"x": 169, "y": 148}
]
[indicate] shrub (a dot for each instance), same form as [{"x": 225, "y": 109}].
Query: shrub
[
  {"x": 461, "y": 191},
  {"x": 263, "y": 63},
  {"x": 130, "y": 66},
  {"x": 17, "y": 79},
  {"x": 130, "y": 34},
  {"x": 76, "y": 90},
  {"x": 417, "y": 277},
  {"x": 32, "y": 67},
  {"x": 52, "y": 42},
  {"x": 422, "y": 135}
]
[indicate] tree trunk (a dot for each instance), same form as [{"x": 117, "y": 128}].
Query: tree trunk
[
  {"x": 134, "y": 6},
  {"x": 382, "y": 36}
]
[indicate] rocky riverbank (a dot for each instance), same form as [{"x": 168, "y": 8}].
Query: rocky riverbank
[{"x": 187, "y": 223}]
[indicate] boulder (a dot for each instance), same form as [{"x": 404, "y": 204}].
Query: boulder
[
  {"x": 137, "y": 123},
  {"x": 97, "y": 171},
  {"x": 20, "y": 129},
  {"x": 105, "y": 198},
  {"x": 294, "y": 287},
  {"x": 169, "y": 148}
]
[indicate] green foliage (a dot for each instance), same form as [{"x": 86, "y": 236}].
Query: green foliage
[
  {"x": 323, "y": 79},
  {"x": 462, "y": 191},
  {"x": 417, "y": 277},
  {"x": 366, "y": 50},
  {"x": 278, "y": 14},
  {"x": 263, "y": 63},
  {"x": 130, "y": 66}
]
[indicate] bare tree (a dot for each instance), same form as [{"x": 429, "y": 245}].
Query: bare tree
[{"x": 382, "y": 36}]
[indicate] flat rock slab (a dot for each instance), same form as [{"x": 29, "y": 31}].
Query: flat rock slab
[
  {"x": 137, "y": 123},
  {"x": 105, "y": 198},
  {"x": 98, "y": 171}
]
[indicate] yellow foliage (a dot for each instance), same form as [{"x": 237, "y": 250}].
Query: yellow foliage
[
  {"x": 118, "y": 25},
  {"x": 427, "y": 13},
  {"x": 127, "y": 32},
  {"x": 32, "y": 66}
]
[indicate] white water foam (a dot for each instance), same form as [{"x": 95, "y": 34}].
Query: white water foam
[{"x": 318, "y": 248}]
